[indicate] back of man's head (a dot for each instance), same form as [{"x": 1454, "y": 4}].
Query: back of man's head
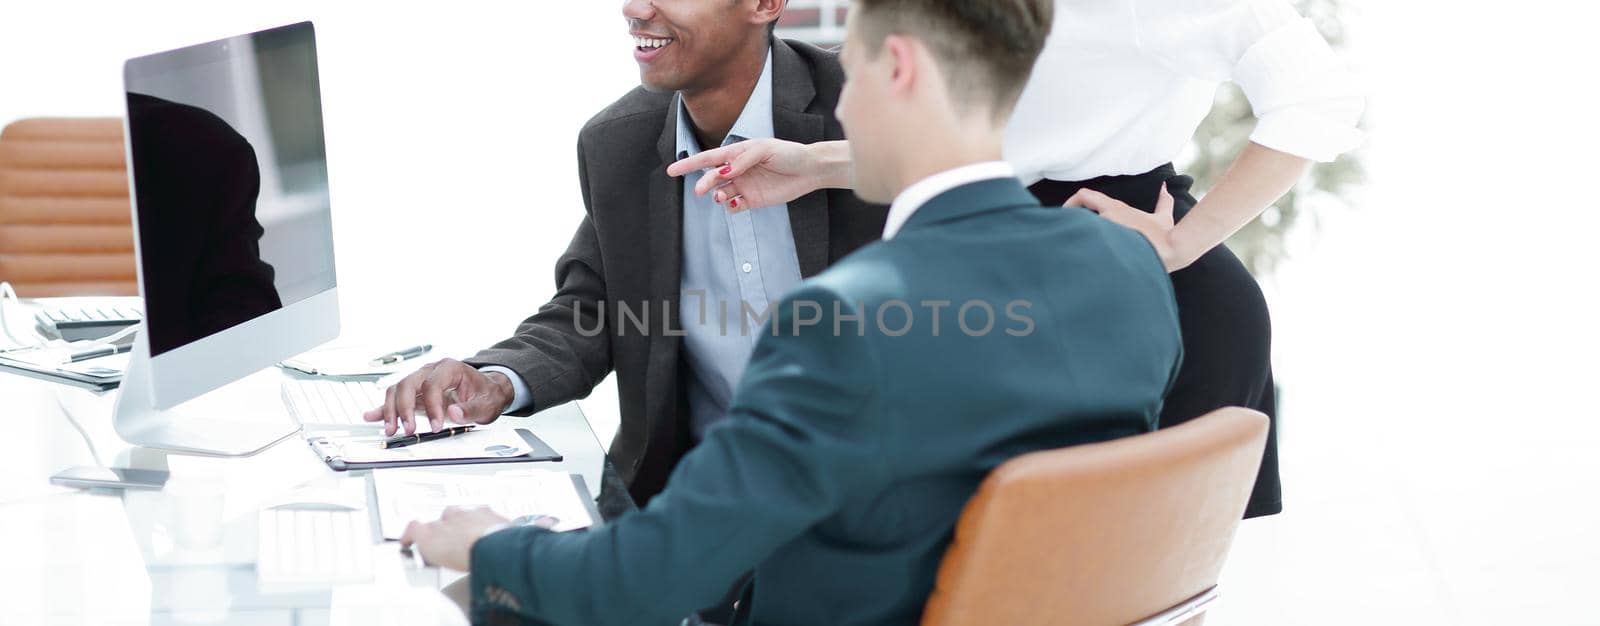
[
  {"x": 986, "y": 48},
  {"x": 931, "y": 84}
]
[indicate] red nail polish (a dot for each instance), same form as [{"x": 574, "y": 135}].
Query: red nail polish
[
  {"x": 726, "y": 169},
  {"x": 733, "y": 204}
]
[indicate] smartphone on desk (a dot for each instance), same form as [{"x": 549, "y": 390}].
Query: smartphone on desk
[{"x": 110, "y": 478}]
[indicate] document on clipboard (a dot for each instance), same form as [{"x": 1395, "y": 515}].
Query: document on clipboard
[
  {"x": 53, "y": 364},
  {"x": 405, "y": 496},
  {"x": 493, "y": 445}
]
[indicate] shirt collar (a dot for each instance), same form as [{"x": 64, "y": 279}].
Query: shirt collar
[
  {"x": 755, "y": 121},
  {"x": 929, "y": 188}
]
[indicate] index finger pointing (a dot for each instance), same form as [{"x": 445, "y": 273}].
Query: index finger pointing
[
  {"x": 409, "y": 537},
  {"x": 714, "y": 179},
  {"x": 705, "y": 160}
]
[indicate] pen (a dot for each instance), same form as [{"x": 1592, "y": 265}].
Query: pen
[
  {"x": 546, "y": 522},
  {"x": 95, "y": 353},
  {"x": 415, "y": 555},
  {"x": 406, "y": 440},
  {"x": 401, "y": 355}
]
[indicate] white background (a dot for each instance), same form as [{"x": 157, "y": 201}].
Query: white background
[{"x": 1436, "y": 344}]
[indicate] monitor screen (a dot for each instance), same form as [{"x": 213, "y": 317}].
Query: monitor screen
[{"x": 230, "y": 181}]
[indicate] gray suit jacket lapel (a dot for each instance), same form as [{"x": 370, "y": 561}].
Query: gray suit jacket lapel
[
  {"x": 666, "y": 214},
  {"x": 666, "y": 260},
  {"x": 792, "y": 93}
]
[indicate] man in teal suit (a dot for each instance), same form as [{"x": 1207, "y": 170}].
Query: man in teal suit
[{"x": 882, "y": 391}]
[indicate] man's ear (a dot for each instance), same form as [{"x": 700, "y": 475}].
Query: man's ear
[
  {"x": 904, "y": 71},
  {"x": 768, "y": 11}
]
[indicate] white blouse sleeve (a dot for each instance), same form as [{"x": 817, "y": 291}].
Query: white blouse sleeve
[{"x": 1306, "y": 102}]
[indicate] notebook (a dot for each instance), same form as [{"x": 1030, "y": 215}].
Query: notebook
[{"x": 487, "y": 445}]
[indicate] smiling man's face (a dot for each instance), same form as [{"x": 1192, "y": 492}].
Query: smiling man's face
[{"x": 681, "y": 45}]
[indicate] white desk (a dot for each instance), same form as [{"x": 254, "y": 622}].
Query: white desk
[{"x": 75, "y": 557}]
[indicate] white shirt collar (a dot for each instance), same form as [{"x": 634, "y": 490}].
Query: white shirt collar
[
  {"x": 912, "y": 199},
  {"x": 755, "y": 121}
]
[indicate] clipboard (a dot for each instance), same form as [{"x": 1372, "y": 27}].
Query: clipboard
[
  {"x": 589, "y": 503},
  {"x": 329, "y": 450},
  {"x": 55, "y": 375},
  {"x": 400, "y": 497}
]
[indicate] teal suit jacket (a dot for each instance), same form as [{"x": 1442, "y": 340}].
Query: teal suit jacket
[{"x": 882, "y": 393}]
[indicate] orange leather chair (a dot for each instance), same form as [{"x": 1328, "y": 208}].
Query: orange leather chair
[
  {"x": 1130, "y": 531},
  {"x": 64, "y": 211}
]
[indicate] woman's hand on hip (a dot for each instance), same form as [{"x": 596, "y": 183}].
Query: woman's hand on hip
[{"x": 1156, "y": 227}]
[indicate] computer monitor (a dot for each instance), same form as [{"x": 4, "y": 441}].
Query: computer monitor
[{"x": 232, "y": 231}]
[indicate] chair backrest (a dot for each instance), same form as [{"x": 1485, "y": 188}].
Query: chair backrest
[
  {"x": 64, "y": 211},
  {"x": 1102, "y": 534}
]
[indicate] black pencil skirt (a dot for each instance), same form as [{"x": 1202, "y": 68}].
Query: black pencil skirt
[{"x": 1227, "y": 333}]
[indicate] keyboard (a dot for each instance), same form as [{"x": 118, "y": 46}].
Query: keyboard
[
  {"x": 329, "y": 402},
  {"x": 298, "y": 546},
  {"x": 88, "y": 320}
]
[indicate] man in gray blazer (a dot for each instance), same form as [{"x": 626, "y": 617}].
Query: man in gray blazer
[{"x": 659, "y": 283}]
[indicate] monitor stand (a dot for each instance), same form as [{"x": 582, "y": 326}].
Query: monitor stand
[{"x": 139, "y": 422}]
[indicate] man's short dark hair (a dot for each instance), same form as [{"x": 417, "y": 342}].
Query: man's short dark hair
[{"x": 986, "y": 47}]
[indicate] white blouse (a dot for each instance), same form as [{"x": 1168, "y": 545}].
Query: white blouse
[{"x": 1122, "y": 85}]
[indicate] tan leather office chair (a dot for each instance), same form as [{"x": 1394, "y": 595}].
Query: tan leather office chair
[
  {"x": 1131, "y": 531},
  {"x": 64, "y": 211}
]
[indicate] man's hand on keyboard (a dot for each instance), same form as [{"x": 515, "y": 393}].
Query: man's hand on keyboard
[{"x": 446, "y": 391}]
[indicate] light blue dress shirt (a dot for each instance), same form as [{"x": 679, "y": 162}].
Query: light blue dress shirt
[{"x": 734, "y": 267}]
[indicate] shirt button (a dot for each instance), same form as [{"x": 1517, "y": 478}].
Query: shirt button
[{"x": 747, "y": 267}]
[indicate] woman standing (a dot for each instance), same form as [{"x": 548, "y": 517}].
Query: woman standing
[{"x": 1118, "y": 92}]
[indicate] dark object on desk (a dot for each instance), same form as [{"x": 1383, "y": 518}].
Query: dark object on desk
[
  {"x": 401, "y": 355},
  {"x": 86, "y": 477},
  {"x": 407, "y": 440},
  {"x": 328, "y": 450},
  {"x": 546, "y": 522},
  {"x": 84, "y": 323},
  {"x": 98, "y": 352}
]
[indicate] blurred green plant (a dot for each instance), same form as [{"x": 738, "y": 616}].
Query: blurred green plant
[{"x": 1262, "y": 244}]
